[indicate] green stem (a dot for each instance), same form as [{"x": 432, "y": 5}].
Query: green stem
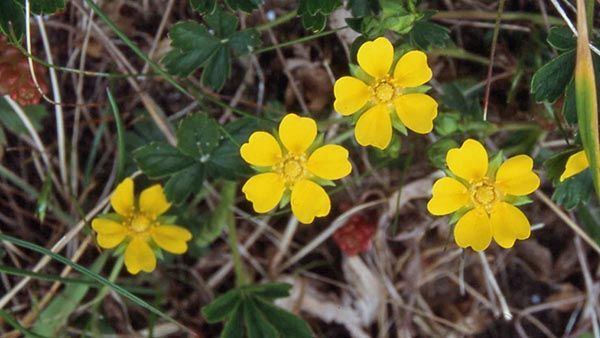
[
  {"x": 241, "y": 278},
  {"x": 297, "y": 41},
  {"x": 506, "y": 16},
  {"x": 280, "y": 20}
]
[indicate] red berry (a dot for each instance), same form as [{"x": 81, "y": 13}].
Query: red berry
[
  {"x": 15, "y": 77},
  {"x": 355, "y": 236}
]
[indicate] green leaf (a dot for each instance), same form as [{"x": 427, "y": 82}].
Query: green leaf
[
  {"x": 203, "y": 6},
  {"x": 12, "y": 122},
  {"x": 244, "y": 5},
  {"x": 284, "y": 321},
  {"x": 220, "y": 308},
  {"x": 314, "y": 13},
  {"x": 256, "y": 324},
  {"x": 185, "y": 182},
  {"x": 193, "y": 46},
  {"x": 12, "y": 19},
  {"x": 550, "y": 81},
  {"x": 249, "y": 308},
  {"x": 589, "y": 216},
  {"x": 217, "y": 70},
  {"x": 569, "y": 108},
  {"x": 159, "y": 159},
  {"x": 426, "y": 34},
  {"x": 456, "y": 97},
  {"x": 46, "y": 6},
  {"x": 360, "y": 8},
  {"x": 197, "y": 136},
  {"x": 222, "y": 215},
  {"x": 446, "y": 124},
  {"x": 555, "y": 165},
  {"x": 561, "y": 38},
  {"x": 222, "y": 23},
  {"x": 54, "y": 317},
  {"x": 574, "y": 191},
  {"x": 244, "y": 42},
  {"x": 234, "y": 328},
  {"x": 437, "y": 151}
]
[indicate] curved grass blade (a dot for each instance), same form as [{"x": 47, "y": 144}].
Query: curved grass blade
[
  {"x": 96, "y": 277},
  {"x": 585, "y": 96},
  {"x": 120, "y": 135}
]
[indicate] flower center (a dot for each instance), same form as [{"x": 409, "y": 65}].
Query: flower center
[
  {"x": 485, "y": 194},
  {"x": 140, "y": 223},
  {"x": 292, "y": 168},
  {"x": 384, "y": 90}
]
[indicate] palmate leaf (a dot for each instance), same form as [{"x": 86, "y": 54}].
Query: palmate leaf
[
  {"x": 198, "y": 46},
  {"x": 12, "y": 14},
  {"x": 314, "y": 13},
  {"x": 250, "y": 309},
  {"x": 549, "y": 82}
]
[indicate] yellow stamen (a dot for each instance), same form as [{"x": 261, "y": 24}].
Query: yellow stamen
[
  {"x": 139, "y": 223},
  {"x": 292, "y": 168},
  {"x": 484, "y": 193},
  {"x": 384, "y": 90}
]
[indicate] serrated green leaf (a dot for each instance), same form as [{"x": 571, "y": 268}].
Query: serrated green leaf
[
  {"x": 314, "y": 23},
  {"x": 244, "y": 41},
  {"x": 550, "y": 81},
  {"x": 46, "y": 6},
  {"x": 222, "y": 307},
  {"x": 426, "y": 34},
  {"x": 257, "y": 326},
  {"x": 561, "y": 38},
  {"x": 574, "y": 191},
  {"x": 203, "y": 6},
  {"x": 193, "y": 47},
  {"x": 456, "y": 97},
  {"x": 217, "y": 69},
  {"x": 159, "y": 159},
  {"x": 569, "y": 108},
  {"x": 197, "y": 136},
  {"x": 185, "y": 182},
  {"x": 360, "y": 8},
  {"x": 222, "y": 23},
  {"x": 446, "y": 124},
  {"x": 269, "y": 291},
  {"x": 222, "y": 215}
]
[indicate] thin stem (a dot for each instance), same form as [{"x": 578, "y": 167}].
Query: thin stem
[
  {"x": 297, "y": 41},
  {"x": 241, "y": 278},
  {"x": 278, "y": 21},
  {"x": 488, "y": 86}
]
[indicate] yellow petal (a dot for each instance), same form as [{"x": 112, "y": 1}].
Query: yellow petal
[
  {"x": 509, "y": 224},
  {"x": 329, "y": 162},
  {"x": 153, "y": 201},
  {"x": 171, "y": 238},
  {"x": 376, "y": 57},
  {"x": 374, "y": 127},
  {"x": 412, "y": 70},
  {"x": 473, "y": 230},
  {"x": 297, "y": 133},
  {"x": 264, "y": 191},
  {"x": 416, "y": 111},
  {"x": 139, "y": 256},
  {"x": 110, "y": 233},
  {"x": 470, "y": 161},
  {"x": 351, "y": 94},
  {"x": 576, "y": 163},
  {"x": 262, "y": 149},
  {"x": 448, "y": 195},
  {"x": 308, "y": 201},
  {"x": 516, "y": 177},
  {"x": 122, "y": 198}
]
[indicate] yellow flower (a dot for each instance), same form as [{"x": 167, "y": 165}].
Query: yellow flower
[
  {"x": 576, "y": 163},
  {"x": 486, "y": 197},
  {"x": 384, "y": 93},
  {"x": 289, "y": 168},
  {"x": 140, "y": 227}
]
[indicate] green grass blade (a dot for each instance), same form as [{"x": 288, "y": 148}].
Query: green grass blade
[
  {"x": 54, "y": 317},
  {"x": 94, "y": 276},
  {"x": 17, "y": 326},
  {"x": 585, "y": 96},
  {"x": 120, "y": 135},
  {"x": 46, "y": 277}
]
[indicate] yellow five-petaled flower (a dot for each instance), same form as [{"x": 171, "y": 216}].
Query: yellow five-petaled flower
[
  {"x": 140, "y": 227},
  {"x": 288, "y": 167},
  {"x": 385, "y": 92},
  {"x": 485, "y": 195}
]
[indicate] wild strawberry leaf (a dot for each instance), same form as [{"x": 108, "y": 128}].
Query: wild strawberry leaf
[
  {"x": 203, "y": 6},
  {"x": 12, "y": 14},
  {"x": 561, "y": 38},
  {"x": 197, "y": 136},
  {"x": 314, "y": 13},
  {"x": 550, "y": 81},
  {"x": 244, "y": 5},
  {"x": 159, "y": 159}
]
